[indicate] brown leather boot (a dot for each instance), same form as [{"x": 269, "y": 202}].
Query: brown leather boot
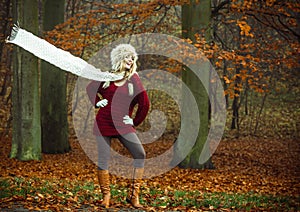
[
  {"x": 133, "y": 196},
  {"x": 103, "y": 177}
]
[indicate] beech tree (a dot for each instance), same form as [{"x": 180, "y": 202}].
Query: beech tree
[
  {"x": 196, "y": 17},
  {"x": 26, "y": 137},
  {"x": 54, "y": 107},
  {"x": 5, "y": 67}
]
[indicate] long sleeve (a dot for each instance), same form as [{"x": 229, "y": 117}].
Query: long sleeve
[
  {"x": 143, "y": 108},
  {"x": 141, "y": 99}
]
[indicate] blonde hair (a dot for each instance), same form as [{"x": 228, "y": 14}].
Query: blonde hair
[{"x": 117, "y": 56}]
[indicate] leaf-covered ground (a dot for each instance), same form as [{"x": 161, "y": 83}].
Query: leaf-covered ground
[{"x": 251, "y": 174}]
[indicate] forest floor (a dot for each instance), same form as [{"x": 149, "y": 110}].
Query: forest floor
[{"x": 251, "y": 174}]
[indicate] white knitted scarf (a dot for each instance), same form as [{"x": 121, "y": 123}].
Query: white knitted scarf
[{"x": 58, "y": 57}]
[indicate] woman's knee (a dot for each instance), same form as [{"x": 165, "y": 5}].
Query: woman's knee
[{"x": 140, "y": 154}]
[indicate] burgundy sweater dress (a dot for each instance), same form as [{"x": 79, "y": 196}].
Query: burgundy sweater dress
[{"x": 121, "y": 101}]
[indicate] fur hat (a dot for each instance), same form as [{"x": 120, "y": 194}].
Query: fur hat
[{"x": 119, "y": 53}]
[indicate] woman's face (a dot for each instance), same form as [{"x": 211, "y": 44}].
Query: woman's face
[{"x": 128, "y": 62}]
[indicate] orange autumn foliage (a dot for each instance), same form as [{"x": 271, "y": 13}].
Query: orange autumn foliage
[{"x": 263, "y": 49}]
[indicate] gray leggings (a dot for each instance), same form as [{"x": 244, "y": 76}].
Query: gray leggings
[{"x": 130, "y": 141}]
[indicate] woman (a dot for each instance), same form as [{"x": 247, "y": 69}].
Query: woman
[{"x": 114, "y": 119}]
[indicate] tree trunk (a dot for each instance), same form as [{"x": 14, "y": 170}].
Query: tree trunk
[
  {"x": 236, "y": 101},
  {"x": 196, "y": 18},
  {"x": 5, "y": 21},
  {"x": 26, "y": 139},
  {"x": 54, "y": 109}
]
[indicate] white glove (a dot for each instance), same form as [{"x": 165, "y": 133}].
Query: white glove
[
  {"x": 102, "y": 103},
  {"x": 127, "y": 120}
]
